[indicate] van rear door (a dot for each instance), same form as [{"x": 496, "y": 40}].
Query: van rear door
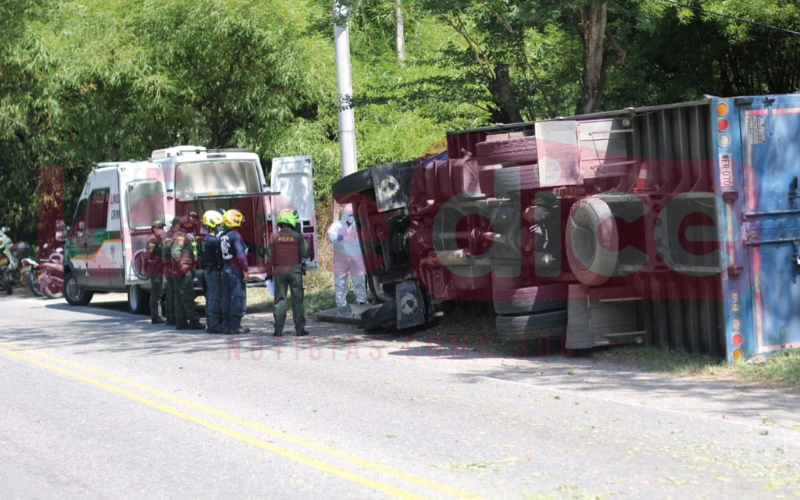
[{"x": 292, "y": 177}]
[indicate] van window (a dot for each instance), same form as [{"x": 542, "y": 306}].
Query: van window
[
  {"x": 80, "y": 218},
  {"x": 216, "y": 178},
  {"x": 145, "y": 203},
  {"x": 98, "y": 210}
]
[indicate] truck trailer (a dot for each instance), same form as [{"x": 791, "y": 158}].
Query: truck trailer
[{"x": 673, "y": 225}]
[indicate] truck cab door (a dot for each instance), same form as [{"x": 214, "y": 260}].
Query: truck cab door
[{"x": 292, "y": 177}]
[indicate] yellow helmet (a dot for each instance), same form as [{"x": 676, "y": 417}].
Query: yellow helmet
[
  {"x": 233, "y": 218},
  {"x": 212, "y": 218}
]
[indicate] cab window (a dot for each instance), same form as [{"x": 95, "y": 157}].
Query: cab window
[
  {"x": 79, "y": 221},
  {"x": 98, "y": 210}
]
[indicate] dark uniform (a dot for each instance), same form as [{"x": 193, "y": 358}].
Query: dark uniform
[
  {"x": 212, "y": 267},
  {"x": 155, "y": 269},
  {"x": 287, "y": 249},
  {"x": 184, "y": 260},
  {"x": 234, "y": 289},
  {"x": 169, "y": 271}
]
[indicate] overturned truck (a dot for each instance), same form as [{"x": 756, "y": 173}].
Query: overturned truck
[{"x": 673, "y": 225}]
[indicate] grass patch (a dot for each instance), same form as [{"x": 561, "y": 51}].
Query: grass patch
[{"x": 779, "y": 370}]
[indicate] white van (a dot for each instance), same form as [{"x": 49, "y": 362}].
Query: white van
[{"x": 120, "y": 200}]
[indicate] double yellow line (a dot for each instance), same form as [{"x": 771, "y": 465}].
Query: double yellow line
[{"x": 46, "y": 361}]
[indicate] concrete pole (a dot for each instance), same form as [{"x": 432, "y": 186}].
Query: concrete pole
[
  {"x": 400, "y": 37},
  {"x": 344, "y": 86}
]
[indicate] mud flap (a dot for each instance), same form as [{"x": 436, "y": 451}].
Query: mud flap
[
  {"x": 391, "y": 183},
  {"x": 350, "y": 314},
  {"x": 410, "y": 308}
]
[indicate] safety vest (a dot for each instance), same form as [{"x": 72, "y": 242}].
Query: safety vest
[{"x": 285, "y": 250}]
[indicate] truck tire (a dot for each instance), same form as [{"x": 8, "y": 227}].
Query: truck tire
[
  {"x": 515, "y": 150},
  {"x": 138, "y": 300},
  {"x": 382, "y": 317},
  {"x": 74, "y": 294},
  {"x": 531, "y": 300},
  {"x": 536, "y": 326},
  {"x": 357, "y": 182},
  {"x": 509, "y": 180},
  {"x": 592, "y": 241}
]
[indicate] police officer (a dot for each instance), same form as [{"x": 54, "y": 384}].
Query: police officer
[
  {"x": 184, "y": 258},
  {"x": 212, "y": 267},
  {"x": 235, "y": 273},
  {"x": 287, "y": 250},
  {"x": 155, "y": 269},
  {"x": 169, "y": 271}
]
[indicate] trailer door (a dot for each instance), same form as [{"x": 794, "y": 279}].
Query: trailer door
[
  {"x": 771, "y": 219},
  {"x": 292, "y": 177}
]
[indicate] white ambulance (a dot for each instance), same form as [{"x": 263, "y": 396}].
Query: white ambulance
[{"x": 120, "y": 200}]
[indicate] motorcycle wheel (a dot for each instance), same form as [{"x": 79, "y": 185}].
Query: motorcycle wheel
[
  {"x": 5, "y": 283},
  {"x": 33, "y": 283},
  {"x": 53, "y": 289}
]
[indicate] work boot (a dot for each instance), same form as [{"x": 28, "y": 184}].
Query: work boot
[
  {"x": 170, "y": 323},
  {"x": 277, "y": 334},
  {"x": 196, "y": 326},
  {"x": 215, "y": 329},
  {"x": 238, "y": 331},
  {"x": 301, "y": 334},
  {"x": 158, "y": 320}
]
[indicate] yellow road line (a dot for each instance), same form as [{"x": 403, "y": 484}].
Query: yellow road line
[
  {"x": 365, "y": 481},
  {"x": 253, "y": 425}
]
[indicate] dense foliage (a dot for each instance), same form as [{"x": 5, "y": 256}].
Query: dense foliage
[{"x": 98, "y": 80}]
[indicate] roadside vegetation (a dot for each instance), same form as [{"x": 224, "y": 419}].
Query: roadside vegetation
[
  {"x": 778, "y": 370},
  {"x": 85, "y": 81}
]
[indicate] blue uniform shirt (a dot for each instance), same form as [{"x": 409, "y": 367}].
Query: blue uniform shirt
[
  {"x": 233, "y": 250},
  {"x": 211, "y": 252}
]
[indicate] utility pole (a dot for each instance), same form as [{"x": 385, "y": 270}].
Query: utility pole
[
  {"x": 344, "y": 86},
  {"x": 400, "y": 32}
]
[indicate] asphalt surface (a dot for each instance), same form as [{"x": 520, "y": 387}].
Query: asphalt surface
[{"x": 95, "y": 402}]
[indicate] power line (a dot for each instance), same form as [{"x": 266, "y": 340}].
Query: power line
[{"x": 700, "y": 9}]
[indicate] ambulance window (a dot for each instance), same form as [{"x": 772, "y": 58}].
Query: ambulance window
[
  {"x": 98, "y": 210},
  {"x": 145, "y": 204},
  {"x": 80, "y": 218},
  {"x": 214, "y": 178}
]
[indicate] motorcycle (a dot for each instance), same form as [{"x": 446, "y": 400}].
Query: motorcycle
[
  {"x": 10, "y": 257},
  {"x": 46, "y": 278}
]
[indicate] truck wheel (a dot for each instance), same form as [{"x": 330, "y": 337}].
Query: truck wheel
[
  {"x": 592, "y": 241},
  {"x": 514, "y": 150},
  {"x": 355, "y": 183},
  {"x": 138, "y": 300},
  {"x": 530, "y": 300},
  {"x": 382, "y": 317},
  {"x": 75, "y": 295},
  {"x": 537, "y": 326},
  {"x": 509, "y": 180}
]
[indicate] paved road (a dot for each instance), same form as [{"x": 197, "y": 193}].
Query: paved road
[{"x": 96, "y": 402}]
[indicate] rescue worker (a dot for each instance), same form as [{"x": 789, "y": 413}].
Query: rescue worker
[
  {"x": 347, "y": 259},
  {"x": 184, "y": 258},
  {"x": 155, "y": 269},
  {"x": 169, "y": 270},
  {"x": 235, "y": 273},
  {"x": 287, "y": 250},
  {"x": 212, "y": 267}
]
